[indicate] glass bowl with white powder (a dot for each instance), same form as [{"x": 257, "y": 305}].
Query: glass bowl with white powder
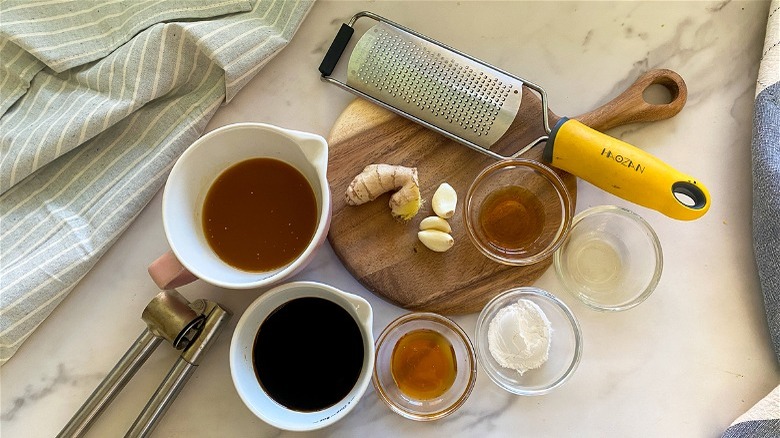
[{"x": 528, "y": 341}]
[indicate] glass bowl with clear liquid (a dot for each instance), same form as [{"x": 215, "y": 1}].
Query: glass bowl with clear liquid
[{"x": 611, "y": 260}]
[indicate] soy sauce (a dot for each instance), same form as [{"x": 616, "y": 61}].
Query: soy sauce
[{"x": 308, "y": 354}]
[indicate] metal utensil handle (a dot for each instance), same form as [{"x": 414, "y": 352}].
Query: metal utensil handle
[
  {"x": 116, "y": 379},
  {"x": 161, "y": 400},
  {"x": 187, "y": 363}
]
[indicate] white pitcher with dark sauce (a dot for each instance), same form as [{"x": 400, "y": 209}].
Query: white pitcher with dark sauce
[{"x": 302, "y": 355}]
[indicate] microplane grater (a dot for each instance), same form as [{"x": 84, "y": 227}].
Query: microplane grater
[
  {"x": 428, "y": 82},
  {"x": 455, "y": 94},
  {"x": 475, "y": 104}
]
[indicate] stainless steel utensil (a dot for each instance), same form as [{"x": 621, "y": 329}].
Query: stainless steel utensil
[
  {"x": 191, "y": 327},
  {"x": 476, "y": 104},
  {"x": 437, "y": 86}
]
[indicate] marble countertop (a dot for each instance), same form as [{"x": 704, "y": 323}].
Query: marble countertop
[{"x": 686, "y": 362}]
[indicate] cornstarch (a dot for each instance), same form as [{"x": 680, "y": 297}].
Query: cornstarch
[{"x": 519, "y": 336}]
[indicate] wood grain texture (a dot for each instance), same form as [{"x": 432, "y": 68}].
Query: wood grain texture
[{"x": 385, "y": 255}]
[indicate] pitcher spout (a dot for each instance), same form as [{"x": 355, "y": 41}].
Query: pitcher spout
[
  {"x": 314, "y": 148},
  {"x": 362, "y": 310}
]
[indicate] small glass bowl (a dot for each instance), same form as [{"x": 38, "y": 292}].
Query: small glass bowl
[
  {"x": 466, "y": 368},
  {"x": 611, "y": 259},
  {"x": 565, "y": 344},
  {"x": 523, "y": 194}
]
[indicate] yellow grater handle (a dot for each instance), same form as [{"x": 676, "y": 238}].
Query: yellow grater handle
[{"x": 625, "y": 171}]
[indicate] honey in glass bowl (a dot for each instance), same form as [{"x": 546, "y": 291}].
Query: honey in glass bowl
[{"x": 423, "y": 364}]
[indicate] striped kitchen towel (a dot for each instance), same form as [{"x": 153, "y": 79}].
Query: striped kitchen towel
[
  {"x": 763, "y": 420},
  {"x": 97, "y": 101}
]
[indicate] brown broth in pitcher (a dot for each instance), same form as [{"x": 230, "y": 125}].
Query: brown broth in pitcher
[{"x": 259, "y": 214}]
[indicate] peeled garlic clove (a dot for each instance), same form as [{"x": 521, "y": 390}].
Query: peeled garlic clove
[
  {"x": 436, "y": 240},
  {"x": 444, "y": 201},
  {"x": 435, "y": 223}
]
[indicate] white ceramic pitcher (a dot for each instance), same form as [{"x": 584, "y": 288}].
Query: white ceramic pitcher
[
  {"x": 191, "y": 257},
  {"x": 242, "y": 368}
]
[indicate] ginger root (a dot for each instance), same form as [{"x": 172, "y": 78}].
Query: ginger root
[{"x": 377, "y": 179}]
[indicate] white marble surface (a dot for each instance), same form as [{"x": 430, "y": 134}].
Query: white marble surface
[{"x": 686, "y": 362}]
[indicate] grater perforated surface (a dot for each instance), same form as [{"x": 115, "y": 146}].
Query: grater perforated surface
[{"x": 434, "y": 84}]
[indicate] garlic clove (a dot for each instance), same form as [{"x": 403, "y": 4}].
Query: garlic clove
[
  {"x": 435, "y": 223},
  {"x": 444, "y": 201},
  {"x": 436, "y": 240}
]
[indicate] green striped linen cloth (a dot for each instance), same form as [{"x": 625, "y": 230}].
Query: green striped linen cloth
[{"x": 97, "y": 101}]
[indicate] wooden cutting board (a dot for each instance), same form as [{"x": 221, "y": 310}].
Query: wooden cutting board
[{"x": 386, "y": 256}]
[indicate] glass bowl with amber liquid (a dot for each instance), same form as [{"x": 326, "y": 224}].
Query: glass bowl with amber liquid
[
  {"x": 518, "y": 212},
  {"x": 425, "y": 366}
]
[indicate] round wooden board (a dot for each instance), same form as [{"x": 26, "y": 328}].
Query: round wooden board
[{"x": 384, "y": 254}]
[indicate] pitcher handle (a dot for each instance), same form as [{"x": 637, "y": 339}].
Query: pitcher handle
[{"x": 167, "y": 272}]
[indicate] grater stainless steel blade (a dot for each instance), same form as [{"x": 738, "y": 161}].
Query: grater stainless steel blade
[
  {"x": 454, "y": 94},
  {"x": 430, "y": 83}
]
